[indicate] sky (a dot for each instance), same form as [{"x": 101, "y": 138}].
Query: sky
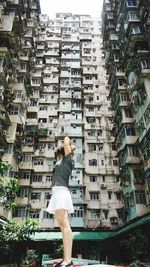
[{"x": 89, "y": 7}]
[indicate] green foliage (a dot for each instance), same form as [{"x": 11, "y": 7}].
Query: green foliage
[
  {"x": 59, "y": 250},
  {"x": 8, "y": 188},
  {"x": 3, "y": 168},
  {"x": 14, "y": 232},
  {"x": 135, "y": 244},
  {"x": 30, "y": 257}
]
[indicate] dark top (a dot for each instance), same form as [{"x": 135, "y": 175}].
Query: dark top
[{"x": 62, "y": 171}]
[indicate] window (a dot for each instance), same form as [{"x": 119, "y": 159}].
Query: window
[
  {"x": 133, "y": 16},
  {"x": 18, "y": 94},
  {"x": 90, "y": 109},
  {"x": 128, "y": 113},
  {"x": 115, "y": 162},
  {"x": 78, "y": 212},
  {"x": 51, "y": 147},
  {"x": 9, "y": 149},
  {"x": 131, "y": 3},
  {"x": 130, "y": 131},
  {"x": 121, "y": 82},
  {"x": 74, "y": 191},
  {"x": 93, "y": 179},
  {"x": 23, "y": 192},
  {"x": 145, "y": 64},
  {"x": 124, "y": 97},
  {"x": 102, "y": 162},
  {"x": 136, "y": 30},
  {"x": 103, "y": 178},
  {"x": 118, "y": 195},
  {"x": 95, "y": 214},
  {"x": 94, "y": 196},
  {"x": 99, "y": 133},
  {"x": 132, "y": 151},
  {"x": 109, "y": 194},
  {"x": 91, "y": 133},
  {"x": 27, "y": 158},
  {"x": 47, "y": 195},
  {"x": 105, "y": 212},
  {"x": 140, "y": 197},
  {"x": 14, "y": 111},
  {"x": 35, "y": 195},
  {"x": 49, "y": 178},
  {"x": 138, "y": 174},
  {"x": 20, "y": 212},
  {"x": 100, "y": 147},
  {"x": 37, "y": 178},
  {"x": 34, "y": 214},
  {"x": 23, "y": 66},
  {"x": 138, "y": 177},
  {"x": 114, "y": 147},
  {"x": 120, "y": 213},
  {"x": 43, "y": 120},
  {"x": 50, "y": 162},
  {"x": 91, "y": 147},
  {"x": 38, "y": 162},
  {"x": 92, "y": 162},
  {"x": 25, "y": 175},
  {"x": 47, "y": 215},
  {"x": 43, "y": 108}
]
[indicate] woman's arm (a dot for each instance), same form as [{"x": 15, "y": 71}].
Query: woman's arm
[
  {"x": 67, "y": 144},
  {"x": 68, "y": 147}
]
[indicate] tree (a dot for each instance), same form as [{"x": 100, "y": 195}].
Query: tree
[
  {"x": 12, "y": 233},
  {"x": 135, "y": 244},
  {"x": 8, "y": 188},
  {"x": 30, "y": 258}
]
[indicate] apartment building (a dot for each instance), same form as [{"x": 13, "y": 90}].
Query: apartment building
[
  {"x": 53, "y": 83},
  {"x": 17, "y": 22},
  {"x": 126, "y": 39}
]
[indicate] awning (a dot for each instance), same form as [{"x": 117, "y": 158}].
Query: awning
[
  {"x": 132, "y": 226},
  {"x": 91, "y": 235}
]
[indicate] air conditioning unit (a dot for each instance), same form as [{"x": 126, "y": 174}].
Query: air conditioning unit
[{"x": 103, "y": 186}]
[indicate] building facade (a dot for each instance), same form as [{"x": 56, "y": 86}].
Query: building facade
[
  {"x": 126, "y": 39},
  {"x": 53, "y": 83}
]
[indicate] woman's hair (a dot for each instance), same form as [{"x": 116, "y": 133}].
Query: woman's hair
[{"x": 60, "y": 151}]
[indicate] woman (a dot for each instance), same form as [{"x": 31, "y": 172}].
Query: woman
[{"x": 61, "y": 203}]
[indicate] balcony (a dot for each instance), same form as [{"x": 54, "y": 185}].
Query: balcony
[
  {"x": 144, "y": 67},
  {"x": 127, "y": 140},
  {"x": 93, "y": 204},
  {"x": 52, "y": 80},
  {"x": 147, "y": 168},
  {"x": 24, "y": 182},
  {"x": 65, "y": 74},
  {"x": 88, "y": 81},
  {"x": 65, "y": 94},
  {"x": 28, "y": 148},
  {"x": 31, "y": 121},
  {"x": 35, "y": 203},
  {"x": 22, "y": 201},
  {"x": 43, "y": 168},
  {"x": 77, "y": 222},
  {"x": 51, "y": 53},
  {"x": 26, "y": 165},
  {"x": 70, "y": 56},
  {"x": 32, "y": 109},
  {"x": 36, "y": 83}
]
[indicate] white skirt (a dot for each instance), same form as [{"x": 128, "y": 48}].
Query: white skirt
[{"x": 61, "y": 199}]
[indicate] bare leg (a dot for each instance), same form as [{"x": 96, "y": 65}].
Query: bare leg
[{"x": 63, "y": 221}]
